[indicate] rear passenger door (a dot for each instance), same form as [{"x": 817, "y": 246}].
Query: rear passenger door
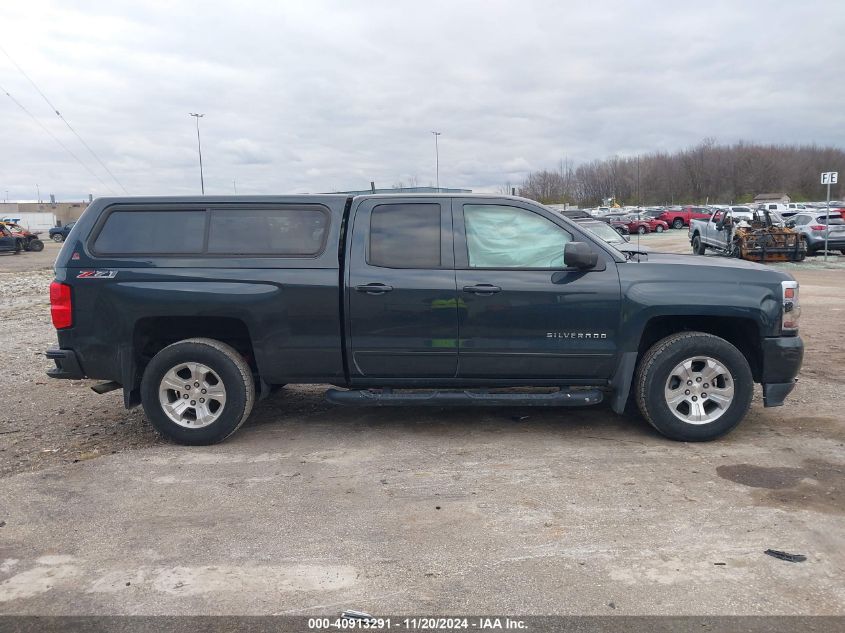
[{"x": 401, "y": 293}]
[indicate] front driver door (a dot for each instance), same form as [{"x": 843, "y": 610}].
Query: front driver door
[
  {"x": 402, "y": 302},
  {"x": 525, "y": 315}
]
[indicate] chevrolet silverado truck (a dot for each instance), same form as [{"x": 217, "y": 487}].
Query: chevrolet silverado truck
[{"x": 196, "y": 307}]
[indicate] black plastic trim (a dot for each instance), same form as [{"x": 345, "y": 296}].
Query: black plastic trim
[{"x": 67, "y": 364}]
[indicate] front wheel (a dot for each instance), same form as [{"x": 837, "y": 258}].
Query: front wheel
[
  {"x": 36, "y": 245},
  {"x": 693, "y": 386},
  {"x": 698, "y": 246},
  {"x": 641, "y": 230},
  {"x": 58, "y": 238},
  {"x": 678, "y": 223},
  {"x": 198, "y": 391}
]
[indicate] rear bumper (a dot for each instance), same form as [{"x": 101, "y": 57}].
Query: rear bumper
[
  {"x": 782, "y": 357},
  {"x": 833, "y": 243},
  {"x": 67, "y": 364}
]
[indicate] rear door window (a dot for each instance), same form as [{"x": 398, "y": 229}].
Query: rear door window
[
  {"x": 152, "y": 232},
  {"x": 405, "y": 236}
]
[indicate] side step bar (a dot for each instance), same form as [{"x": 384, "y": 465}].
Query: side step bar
[{"x": 437, "y": 398}]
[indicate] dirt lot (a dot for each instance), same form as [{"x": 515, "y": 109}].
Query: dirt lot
[{"x": 312, "y": 508}]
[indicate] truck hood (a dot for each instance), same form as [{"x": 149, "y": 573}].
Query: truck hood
[{"x": 700, "y": 262}]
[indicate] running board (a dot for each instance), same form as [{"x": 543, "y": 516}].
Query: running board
[{"x": 386, "y": 398}]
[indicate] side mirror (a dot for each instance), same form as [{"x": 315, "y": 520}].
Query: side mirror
[{"x": 579, "y": 255}]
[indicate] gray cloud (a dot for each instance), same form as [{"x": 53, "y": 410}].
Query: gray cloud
[{"x": 330, "y": 94}]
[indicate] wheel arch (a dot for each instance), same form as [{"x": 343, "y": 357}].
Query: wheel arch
[
  {"x": 153, "y": 333},
  {"x": 742, "y": 333}
]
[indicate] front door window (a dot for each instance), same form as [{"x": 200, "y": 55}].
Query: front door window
[{"x": 500, "y": 236}]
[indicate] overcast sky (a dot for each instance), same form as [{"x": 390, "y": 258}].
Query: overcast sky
[{"x": 312, "y": 96}]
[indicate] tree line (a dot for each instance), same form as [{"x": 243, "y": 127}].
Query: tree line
[{"x": 705, "y": 173}]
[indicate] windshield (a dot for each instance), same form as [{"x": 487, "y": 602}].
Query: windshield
[
  {"x": 605, "y": 232},
  {"x": 607, "y": 235}
]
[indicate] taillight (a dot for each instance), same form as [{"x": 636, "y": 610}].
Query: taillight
[
  {"x": 61, "y": 305},
  {"x": 817, "y": 227},
  {"x": 791, "y": 307}
]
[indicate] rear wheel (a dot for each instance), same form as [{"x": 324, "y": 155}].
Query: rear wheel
[
  {"x": 678, "y": 223},
  {"x": 198, "y": 391},
  {"x": 659, "y": 229},
  {"x": 36, "y": 245},
  {"x": 694, "y": 386},
  {"x": 641, "y": 230},
  {"x": 698, "y": 246},
  {"x": 58, "y": 237}
]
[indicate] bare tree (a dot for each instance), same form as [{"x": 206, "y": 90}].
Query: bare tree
[{"x": 704, "y": 172}]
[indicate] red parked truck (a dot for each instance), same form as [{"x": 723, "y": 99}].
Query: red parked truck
[{"x": 679, "y": 217}]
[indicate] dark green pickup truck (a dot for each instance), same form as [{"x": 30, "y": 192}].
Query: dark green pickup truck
[{"x": 197, "y": 306}]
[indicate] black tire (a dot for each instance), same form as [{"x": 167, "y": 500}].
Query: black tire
[
  {"x": 842, "y": 251},
  {"x": 678, "y": 223},
  {"x": 58, "y": 238},
  {"x": 698, "y": 246},
  {"x": 36, "y": 245},
  {"x": 234, "y": 373},
  {"x": 654, "y": 372}
]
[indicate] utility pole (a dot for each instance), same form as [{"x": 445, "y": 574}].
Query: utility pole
[
  {"x": 234, "y": 186},
  {"x": 436, "y": 159},
  {"x": 199, "y": 148},
  {"x": 38, "y": 190},
  {"x": 639, "y": 197}
]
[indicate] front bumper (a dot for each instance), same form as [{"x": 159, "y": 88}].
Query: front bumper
[
  {"x": 67, "y": 364},
  {"x": 782, "y": 357}
]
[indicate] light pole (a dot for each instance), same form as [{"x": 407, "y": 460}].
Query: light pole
[
  {"x": 436, "y": 159},
  {"x": 199, "y": 148}
]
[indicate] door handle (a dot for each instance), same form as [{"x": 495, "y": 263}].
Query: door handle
[
  {"x": 374, "y": 288},
  {"x": 483, "y": 289}
]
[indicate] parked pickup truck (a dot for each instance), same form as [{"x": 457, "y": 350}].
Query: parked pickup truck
[
  {"x": 679, "y": 217},
  {"x": 198, "y": 306},
  {"x": 757, "y": 235}
]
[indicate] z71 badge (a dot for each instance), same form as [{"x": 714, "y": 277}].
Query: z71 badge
[{"x": 97, "y": 274}]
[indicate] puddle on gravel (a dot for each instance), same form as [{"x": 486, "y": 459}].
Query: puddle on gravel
[{"x": 817, "y": 485}]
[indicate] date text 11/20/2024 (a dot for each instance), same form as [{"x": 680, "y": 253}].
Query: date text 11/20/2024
[{"x": 480, "y": 623}]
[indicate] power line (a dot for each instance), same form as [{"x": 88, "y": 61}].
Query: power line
[
  {"x": 55, "y": 138},
  {"x": 59, "y": 114}
]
